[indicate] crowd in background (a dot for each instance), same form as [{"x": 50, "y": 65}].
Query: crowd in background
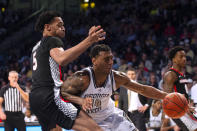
[{"x": 140, "y": 34}]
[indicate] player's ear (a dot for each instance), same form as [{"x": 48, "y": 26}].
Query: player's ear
[
  {"x": 93, "y": 61},
  {"x": 9, "y": 78},
  {"x": 47, "y": 27},
  {"x": 173, "y": 60}
]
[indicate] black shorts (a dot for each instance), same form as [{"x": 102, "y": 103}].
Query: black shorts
[{"x": 52, "y": 110}]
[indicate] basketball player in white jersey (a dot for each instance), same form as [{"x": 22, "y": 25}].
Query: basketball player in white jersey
[{"x": 99, "y": 82}]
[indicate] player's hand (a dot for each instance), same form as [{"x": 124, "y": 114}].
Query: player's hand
[
  {"x": 142, "y": 109},
  {"x": 96, "y": 34},
  {"x": 191, "y": 110},
  {"x": 2, "y": 116},
  {"x": 87, "y": 104}
]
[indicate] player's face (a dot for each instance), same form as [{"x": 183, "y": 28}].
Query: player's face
[
  {"x": 103, "y": 62},
  {"x": 57, "y": 27},
  {"x": 158, "y": 104},
  {"x": 131, "y": 75},
  {"x": 13, "y": 77},
  {"x": 180, "y": 58}
]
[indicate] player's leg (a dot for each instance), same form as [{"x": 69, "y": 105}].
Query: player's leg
[
  {"x": 84, "y": 122},
  {"x": 58, "y": 128},
  {"x": 121, "y": 122},
  {"x": 66, "y": 115}
]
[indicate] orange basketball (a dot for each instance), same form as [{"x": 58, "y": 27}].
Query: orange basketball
[{"x": 175, "y": 105}]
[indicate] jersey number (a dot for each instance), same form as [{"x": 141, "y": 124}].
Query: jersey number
[
  {"x": 96, "y": 103},
  {"x": 34, "y": 61}
]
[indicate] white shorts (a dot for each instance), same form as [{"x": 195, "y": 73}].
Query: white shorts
[
  {"x": 117, "y": 122},
  {"x": 187, "y": 121}
]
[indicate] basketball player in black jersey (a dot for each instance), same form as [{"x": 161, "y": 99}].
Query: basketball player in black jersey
[
  {"x": 48, "y": 56},
  {"x": 174, "y": 81}
]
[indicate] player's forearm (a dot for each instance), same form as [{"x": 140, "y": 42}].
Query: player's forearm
[
  {"x": 74, "y": 52},
  {"x": 74, "y": 99},
  {"x": 153, "y": 93}
]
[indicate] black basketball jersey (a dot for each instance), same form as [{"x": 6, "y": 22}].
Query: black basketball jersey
[
  {"x": 180, "y": 83},
  {"x": 45, "y": 71}
]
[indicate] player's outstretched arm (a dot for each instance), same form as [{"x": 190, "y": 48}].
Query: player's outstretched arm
[
  {"x": 145, "y": 90},
  {"x": 85, "y": 103},
  {"x": 96, "y": 34}
]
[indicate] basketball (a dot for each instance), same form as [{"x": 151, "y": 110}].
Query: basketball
[{"x": 175, "y": 105}]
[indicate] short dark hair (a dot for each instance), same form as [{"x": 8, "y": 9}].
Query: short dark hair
[
  {"x": 97, "y": 49},
  {"x": 174, "y": 50},
  {"x": 45, "y": 18},
  {"x": 131, "y": 69}
]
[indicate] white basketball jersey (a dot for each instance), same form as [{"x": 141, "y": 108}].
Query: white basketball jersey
[
  {"x": 155, "y": 121},
  {"x": 102, "y": 105}
]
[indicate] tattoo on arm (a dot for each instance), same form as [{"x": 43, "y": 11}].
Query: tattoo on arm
[
  {"x": 72, "y": 85},
  {"x": 71, "y": 89}
]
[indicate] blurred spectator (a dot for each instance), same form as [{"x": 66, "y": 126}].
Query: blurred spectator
[
  {"x": 116, "y": 98},
  {"x": 169, "y": 30},
  {"x": 117, "y": 62},
  {"x": 30, "y": 117},
  {"x": 193, "y": 20},
  {"x": 163, "y": 71},
  {"x": 123, "y": 67},
  {"x": 185, "y": 34},
  {"x": 153, "y": 80},
  {"x": 188, "y": 67},
  {"x": 157, "y": 122},
  {"x": 142, "y": 73},
  {"x": 150, "y": 40},
  {"x": 129, "y": 54},
  {"x": 147, "y": 62},
  {"x": 188, "y": 51},
  {"x": 194, "y": 38},
  {"x": 134, "y": 104}
]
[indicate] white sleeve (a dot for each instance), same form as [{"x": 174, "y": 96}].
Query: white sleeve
[{"x": 193, "y": 93}]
